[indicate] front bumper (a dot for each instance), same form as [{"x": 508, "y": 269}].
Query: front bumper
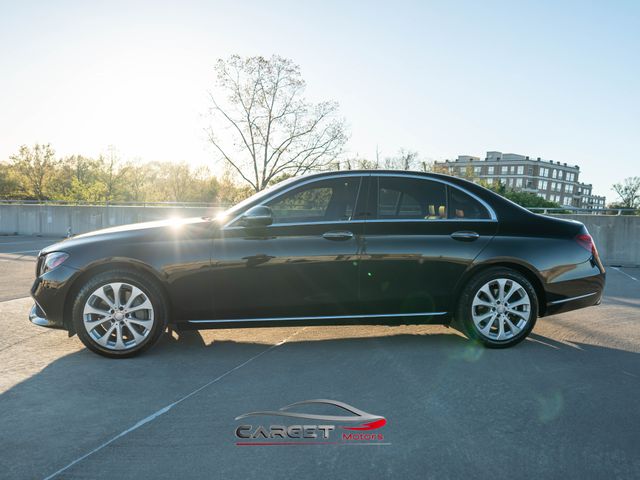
[
  {"x": 50, "y": 292},
  {"x": 37, "y": 317}
]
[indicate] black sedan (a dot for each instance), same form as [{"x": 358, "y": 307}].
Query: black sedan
[{"x": 373, "y": 247}]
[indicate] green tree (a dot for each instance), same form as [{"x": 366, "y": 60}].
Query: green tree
[
  {"x": 524, "y": 199},
  {"x": 34, "y": 168}
]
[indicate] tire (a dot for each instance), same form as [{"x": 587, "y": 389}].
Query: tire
[
  {"x": 495, "y": 319},
  {"x": 131, "y": 329}
]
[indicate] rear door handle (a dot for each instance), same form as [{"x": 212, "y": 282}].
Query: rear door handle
[
  {"x": 465, "y": 236},
  {"x": 338, "y": 235}
]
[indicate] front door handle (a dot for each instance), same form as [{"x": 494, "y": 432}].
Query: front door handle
[
  {"x": 338, "y": 235},
  {"x": 465, "y": 236}
]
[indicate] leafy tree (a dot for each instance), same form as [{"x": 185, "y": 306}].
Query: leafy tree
[
  {"x": 78, "y": 178},
  {"x": 274, "y": 130},
  {"x": 524, "y": 199},
  {"x": 34, "y": 168},
  {"x": 9, "y": 184},
  {"x": 629, "y": 192}
]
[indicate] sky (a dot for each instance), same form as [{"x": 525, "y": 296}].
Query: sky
[{"x": 553, "y": 79}]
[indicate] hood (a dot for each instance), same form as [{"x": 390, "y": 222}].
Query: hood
[{"x": 164, "y": 228}]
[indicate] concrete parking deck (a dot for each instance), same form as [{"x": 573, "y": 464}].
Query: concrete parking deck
[{"x": 563, "y": 404}]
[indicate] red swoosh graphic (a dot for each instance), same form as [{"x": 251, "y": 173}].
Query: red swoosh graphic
[{"x": 369, "y": 426}]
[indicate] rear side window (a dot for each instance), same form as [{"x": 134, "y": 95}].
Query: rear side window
[
  {"x": 465, "y": 207},
  {"x": 411, "y": 198}
]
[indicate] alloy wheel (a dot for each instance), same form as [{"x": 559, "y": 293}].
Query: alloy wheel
[
  {"x": 118, "y": 316},
  {"x": 501, "y": 309}
]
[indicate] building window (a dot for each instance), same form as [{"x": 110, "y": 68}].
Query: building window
[
  {"x": 518, "y": 182},
  {"x": 559, "y": 173},
  {"x": 544, "y": 172},
  {"x": 490, "y": 170},
  {"x": 520, "y": 169},
  {"x": 542, "y": 184},
  {"x": 476, "y": 170},
  {"x": 504, "y": 169},
  {"x": 554, "y": 173},
  {"x": 513, "y": 169}
]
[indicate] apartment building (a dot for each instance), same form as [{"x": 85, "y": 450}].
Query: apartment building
[{"x": 553, "y": 181}]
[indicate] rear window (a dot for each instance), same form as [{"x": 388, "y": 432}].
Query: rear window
[{"x": 465, "y": 207}]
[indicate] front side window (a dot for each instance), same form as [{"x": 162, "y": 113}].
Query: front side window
[
  {"x": 411, "y": 198},
  {"x": 322, "y": 201}
]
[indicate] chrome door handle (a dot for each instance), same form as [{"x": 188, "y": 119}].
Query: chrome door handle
[
  {"x": 465, "y": 236},
  {"x": 338, "y": 235}
]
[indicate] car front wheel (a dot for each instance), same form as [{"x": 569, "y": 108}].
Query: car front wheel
[
  {"x": 498, "y": 308},
  {"x": 119, "y": 314}
]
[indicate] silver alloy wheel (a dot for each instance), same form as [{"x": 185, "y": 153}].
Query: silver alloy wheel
[
  {"x": 118, "y": 316},
  {"x": 501, "y": 309}
]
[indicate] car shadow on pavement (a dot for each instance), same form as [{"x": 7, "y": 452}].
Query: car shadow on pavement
[{"x": 542, "y": 394}]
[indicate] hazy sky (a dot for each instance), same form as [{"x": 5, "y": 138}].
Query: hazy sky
[{"x": 555, "y": 79}]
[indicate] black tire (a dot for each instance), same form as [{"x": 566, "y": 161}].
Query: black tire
[
  {"x": 464, "y": 318},
  {"x": 148, "y": 286}
]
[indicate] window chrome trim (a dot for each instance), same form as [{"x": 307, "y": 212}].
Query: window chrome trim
[
  {"x": 324, "y": 317},
  {"x": 362, "y": 176},
  {"x": 570, "y": 299},
  {"x": 375, "y": 220}
]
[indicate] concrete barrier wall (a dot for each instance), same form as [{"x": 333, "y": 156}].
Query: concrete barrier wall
[
  {"x": 55, "y": 220},
  {"x": 617, "y": 236}
]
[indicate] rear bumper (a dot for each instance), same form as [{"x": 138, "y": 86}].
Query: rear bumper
[{"x": 574, "y": 294}]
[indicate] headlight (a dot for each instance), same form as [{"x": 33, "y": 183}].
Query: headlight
[{"x": 53, "y": 260}]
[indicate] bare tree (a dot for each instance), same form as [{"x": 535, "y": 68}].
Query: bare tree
[
  {"x": 404, "y": 160},
  {"x": 114, "y": 171},
  {"x": 628, "y": 191},
  {"x": 274, "y": 129}
]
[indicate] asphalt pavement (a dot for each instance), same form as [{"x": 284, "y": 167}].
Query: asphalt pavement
[{"x": 562, "y": 404}]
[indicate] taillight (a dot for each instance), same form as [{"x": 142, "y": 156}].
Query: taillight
[{"x": 586, "y": 241}]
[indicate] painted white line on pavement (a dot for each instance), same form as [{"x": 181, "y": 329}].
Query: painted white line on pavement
[
  {"x": 625, "y": 273},
  {"x": 164, "y": 410}
]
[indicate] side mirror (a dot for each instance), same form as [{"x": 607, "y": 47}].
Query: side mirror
[{"x": 258, "y": 216}]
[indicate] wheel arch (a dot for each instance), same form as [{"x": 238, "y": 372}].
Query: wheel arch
[
  {"x": 528, "y": 271},
  {"x": 104, "y": 265}
]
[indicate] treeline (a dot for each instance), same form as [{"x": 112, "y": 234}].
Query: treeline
[{"x": 36, "y": 173}]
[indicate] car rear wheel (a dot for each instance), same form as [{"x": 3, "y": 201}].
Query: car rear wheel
[
  {"x": 498, "y": 307},
  {"x": 119, "y": 314}
]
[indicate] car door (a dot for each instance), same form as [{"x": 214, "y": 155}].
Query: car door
[
  {"x": 305, "y": 264},
  {"x": 420, "y": 237}
]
